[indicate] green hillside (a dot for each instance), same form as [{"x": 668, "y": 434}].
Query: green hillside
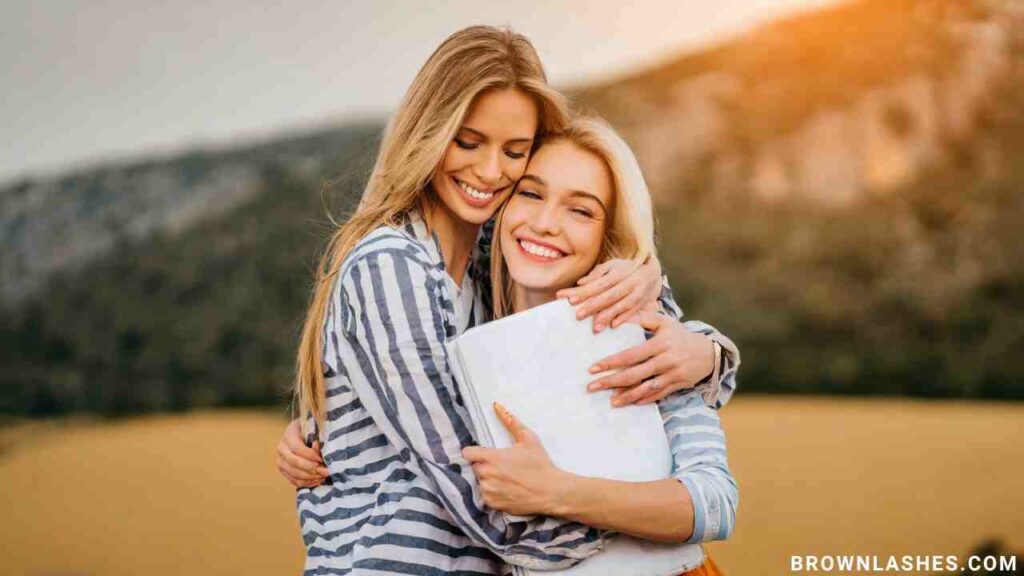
[{"x": 204, "y": 318}]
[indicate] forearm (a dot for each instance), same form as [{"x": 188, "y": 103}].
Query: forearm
[
  {"x": 700, "y": 462},
  {"x": 661, "y": 510}
]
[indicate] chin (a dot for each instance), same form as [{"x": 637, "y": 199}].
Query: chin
[{"x": 470, "y": 214}]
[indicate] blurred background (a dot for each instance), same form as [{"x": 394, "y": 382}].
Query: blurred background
[{"x": 837, "y": 184}]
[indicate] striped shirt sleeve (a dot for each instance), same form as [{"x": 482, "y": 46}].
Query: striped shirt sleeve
[
  {"x": 716, "y": 393},
  {"x": 697, "y": 442},
  {"x": 394, "y": 320}
]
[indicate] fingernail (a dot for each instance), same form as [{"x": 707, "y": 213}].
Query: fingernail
[
  {"x": 574, "y": 300},
  {"x": 598, "y": 327},
  {"x": 323, "y": 471},
  {"x": 593, "y": 387},
  {"x": 617, "y": 402},
  {"x": 595, "y": 368}
]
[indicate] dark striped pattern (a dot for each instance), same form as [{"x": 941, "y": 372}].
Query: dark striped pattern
[{"x": 401, "y": 499}]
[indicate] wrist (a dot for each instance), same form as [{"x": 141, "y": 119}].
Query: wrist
[
  {"x": 560, "y": 499},
  {"x": 712, "y": 360}
]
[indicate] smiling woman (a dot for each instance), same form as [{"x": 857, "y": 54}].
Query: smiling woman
[
  {"x": 485, "y": 151},
  {"x": 556, "y": 223},
  {"x": 579, "y": 185},
  {"x": 582, "y": 200},
  {"x": 479, "y": 167}
]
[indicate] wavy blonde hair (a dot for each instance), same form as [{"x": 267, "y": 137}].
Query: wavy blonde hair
[
  {"x": 631, "y": 232},
  {"x": 467, "y": 63}
]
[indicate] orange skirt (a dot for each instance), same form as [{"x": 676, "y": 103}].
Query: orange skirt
[{"x": 708, "y": 568}]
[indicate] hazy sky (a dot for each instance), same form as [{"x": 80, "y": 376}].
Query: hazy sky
[{"x": 82, "y": 81}]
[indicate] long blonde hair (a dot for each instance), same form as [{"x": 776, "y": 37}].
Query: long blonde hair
[
  {"x": 631, "y": 232},
  {"x": 467, "y": 63}
]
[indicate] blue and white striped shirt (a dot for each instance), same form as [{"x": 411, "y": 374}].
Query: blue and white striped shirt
[
  {"x": 697, "y": 443},
  {"x": 400, "y": 497}
]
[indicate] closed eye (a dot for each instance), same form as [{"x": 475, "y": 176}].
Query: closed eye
[
  {"x": 582, "y": 212},
  {"x": 466, "y": 145},
  {"x": 529, "y": 193},
  {"x": 515, "y": 155}
]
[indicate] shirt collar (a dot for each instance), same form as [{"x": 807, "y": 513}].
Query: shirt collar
[{"x": 417, "y": 226}]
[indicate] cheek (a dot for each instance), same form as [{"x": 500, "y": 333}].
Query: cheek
[
  {"x": 509, "y": 221},
  {"x": 506, "y": 243},
  {"x": 454, "y": 159},
  {"x": 516, "y": 213},
  {"x": 588, "y": 241}
]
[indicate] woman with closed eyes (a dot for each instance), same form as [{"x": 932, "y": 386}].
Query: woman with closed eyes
[{"x": 394, "y": 493}]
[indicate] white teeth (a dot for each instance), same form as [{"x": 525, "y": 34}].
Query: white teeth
[
  {"x": 473, "y": 192},
  {"x": 539, "y": 250}
]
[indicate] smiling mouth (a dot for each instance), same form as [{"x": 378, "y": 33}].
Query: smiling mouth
[
  {"x": 473, "y": 193},
  {"x": 538, "y": 252}
]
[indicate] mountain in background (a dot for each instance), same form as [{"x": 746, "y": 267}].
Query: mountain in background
[
  {"x": 838, "y": 191},
  {"x": 841, "y": 190},
  {"x": 830, "y": 108}
]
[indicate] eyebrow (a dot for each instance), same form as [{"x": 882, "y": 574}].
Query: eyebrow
[
  {"x": 483, "y": 136},
  {"x": 573, "y": 193}
]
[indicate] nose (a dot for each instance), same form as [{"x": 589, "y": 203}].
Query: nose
[
  {"x": 546, "y": 221},
  {"x": 488, "y": 169}
]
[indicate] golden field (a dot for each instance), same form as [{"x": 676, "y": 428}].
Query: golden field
[{"x": 198, "y": 493}]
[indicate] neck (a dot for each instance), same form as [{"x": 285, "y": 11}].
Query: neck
[
  {"x": 456, "y": 238},
  {"x": 524, "y": 298}
]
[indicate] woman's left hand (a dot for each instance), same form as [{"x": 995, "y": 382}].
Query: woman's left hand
[
  {"x": 615, "y": 291},
  {"x": 674, "y": 359},
  {"x": 521, "y": 479}
]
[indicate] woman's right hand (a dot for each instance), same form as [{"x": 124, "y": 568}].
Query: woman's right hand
[
  {"x": 301, "y": 465},
  {"x": 520, "y": 479}
]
